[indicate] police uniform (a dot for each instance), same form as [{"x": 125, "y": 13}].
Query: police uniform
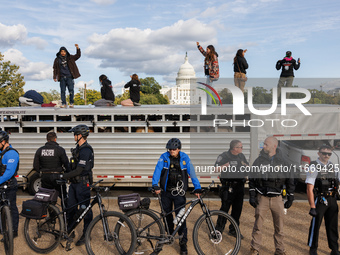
[
  {"x": 50, "y": 160},
  {"x": 266, "y": 188},
  {"x": 9, "y": 165},
  {"x": 325, "y": 184},
  {"x": 82, "y": 162},
  {"x": 172, "y": 173},
  {"x": 232, "y": 191}
]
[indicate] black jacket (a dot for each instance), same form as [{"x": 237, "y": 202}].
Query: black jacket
[
  {"x": 288, "y": 65},
  {"x": 51, "y": 158},
  {"x": 235, "y": 161},
  {"x": 270, "y": 183},
  {"x": 106, "y": 90},
  {"x": 134, "y": 86},
  {"x": 242, "y": 63}
]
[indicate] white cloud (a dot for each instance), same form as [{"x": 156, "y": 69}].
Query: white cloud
[
  {"x": 34, "y": 71},
  {"x": 9, "y": 35},
  {"x": 37, "y": 42},
  {"x": 155, "y": 52},
  {"x": 81, "y": 84},
  {"x": 104, "y": 2}
]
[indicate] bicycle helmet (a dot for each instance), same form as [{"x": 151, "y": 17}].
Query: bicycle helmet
[
  {"x": 173, "y": 143},
  {"x": 3, "y": 136},
  {"x": 80, "y": 130}
]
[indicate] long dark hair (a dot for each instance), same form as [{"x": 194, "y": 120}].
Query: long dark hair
[
  {"x": 102, "y": 77},
  {"x": 238, "y": 53},
  {"x": 211, "y": 55}
]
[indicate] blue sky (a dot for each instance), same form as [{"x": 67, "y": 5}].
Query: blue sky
[{"x": 150, "y": 38}]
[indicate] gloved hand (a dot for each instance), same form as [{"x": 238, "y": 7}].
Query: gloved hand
[
  {"x": 312, "y": 212},
  {"x": 289, "y": 202},
  {"x": 253, "y": 199},
  {"x": 198, "y": 191}
]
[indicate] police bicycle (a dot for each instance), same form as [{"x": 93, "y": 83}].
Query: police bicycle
[
  {"x": 6, "y": 227},
  {"x": 44, "y": 235},
  {"x": 208, "y": 237}
]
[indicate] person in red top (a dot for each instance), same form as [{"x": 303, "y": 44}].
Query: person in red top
[{"x": 211, "y": 67}]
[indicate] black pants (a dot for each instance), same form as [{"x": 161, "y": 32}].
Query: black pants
[
  {"x": 233, "y": 198},
  {"x": 169, "y": 203},
  {"x": 49, "y": 181},
  {"x": 77, "y": 193},
  {"x": 330, "y": 213},
  {"x": 11, "y": 195}
]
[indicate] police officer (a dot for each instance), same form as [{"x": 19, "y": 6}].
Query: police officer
[
  {"x": 322, "y": 185},
  {"x": 50, "y": 161},
  {"x": 232, "y": 191},
  {"x": 172, "y": 171},
  {"x": 82, "y": 162},
  {"x": 265, "y": 190},
  {"x": 9, "y": 165}
]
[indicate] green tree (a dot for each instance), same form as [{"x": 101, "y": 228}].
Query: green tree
[
  {"x": 150, "y": 86},
  {"x": 92, "y": 96},
  {"x": 11, "y": 84},
  {"x": 50, "y": 96}
]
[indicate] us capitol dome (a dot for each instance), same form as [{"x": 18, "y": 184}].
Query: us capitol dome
[{"x": 183, "y": 93}]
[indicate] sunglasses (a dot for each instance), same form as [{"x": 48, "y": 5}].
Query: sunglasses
[
  {"x": 173, "y": 149},
  {"x": 326, "y": 153}
]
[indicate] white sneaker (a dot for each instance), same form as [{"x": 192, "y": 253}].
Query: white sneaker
[
  {"x": 71, "y": 106},
  {"x": 63, "y": 106}
]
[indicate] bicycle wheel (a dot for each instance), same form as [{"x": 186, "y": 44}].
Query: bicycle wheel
[
  {"x": 43, "y": 235},
  {"x": 208, "y": 241},
  {"x": 105, "y": 240},
  {"x": 7, "y": 230},
  {"x": 147, "y": 238}
]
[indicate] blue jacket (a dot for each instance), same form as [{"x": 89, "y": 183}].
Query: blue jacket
[
  {"x": 162, "y": 171},
  {"x": 11, "y": 160}
]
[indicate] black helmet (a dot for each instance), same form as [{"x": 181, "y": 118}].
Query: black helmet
[
  {"x": 80, "y": 130},
  {"x": 173, "y": 143},
  {"x": 288, "y": 54},
  {"x": 3, "y": 136}
]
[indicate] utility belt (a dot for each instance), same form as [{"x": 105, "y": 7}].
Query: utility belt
[
  {"x": 10, "y": 181},
  {"x": 79, "y": 179},
  {"x": 326, "y": 194},
  {"x": 229, "y": 183},
  {"x": 50, "y": 172}
]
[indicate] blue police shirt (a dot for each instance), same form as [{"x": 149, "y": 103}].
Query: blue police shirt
[{"x": 11, "y": 160}]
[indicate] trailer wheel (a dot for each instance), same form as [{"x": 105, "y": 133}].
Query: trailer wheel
[{"x": 34, "y": 183}]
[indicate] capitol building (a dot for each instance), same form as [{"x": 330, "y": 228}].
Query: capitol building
[{"x": 185, "y": 91}]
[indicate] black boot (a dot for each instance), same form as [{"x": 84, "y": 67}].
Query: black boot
[
  {"x": 184, "y": 248},
  {"x": 81, "y": 240}
]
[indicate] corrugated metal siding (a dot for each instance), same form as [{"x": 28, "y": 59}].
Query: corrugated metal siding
[{"x": 132, "y": 154}]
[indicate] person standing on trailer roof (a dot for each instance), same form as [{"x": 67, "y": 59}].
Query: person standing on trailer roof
[{"x": 65, "y": 70}]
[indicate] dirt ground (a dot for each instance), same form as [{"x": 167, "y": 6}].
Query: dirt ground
[{"x": 297, "y": 223}]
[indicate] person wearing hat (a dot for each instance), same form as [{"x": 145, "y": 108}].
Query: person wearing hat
[
  {"x": 65, "y": 70},
  {"x": 9, "y": 165},
  {"x": 82, "y": 162},
  {"x": 287, "y": 64},
  {"x": 172, "y": 171}
]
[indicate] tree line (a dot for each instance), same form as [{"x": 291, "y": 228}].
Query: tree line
[{"x": 12, "y": 83}]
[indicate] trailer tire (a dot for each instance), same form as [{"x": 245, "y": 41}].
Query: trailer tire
[{"x": 34, "y": 183}]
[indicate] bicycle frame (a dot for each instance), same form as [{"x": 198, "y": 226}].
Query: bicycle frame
[
  {"x": 95, "y": 200},
  {"x": 163, "y": 216}
]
